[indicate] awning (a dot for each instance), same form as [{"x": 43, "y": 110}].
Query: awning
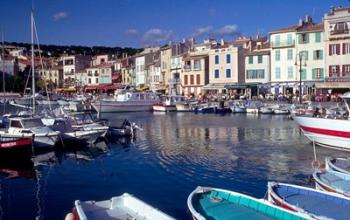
[
  {"x": 90, "y": 88},
  {"x": 241, "y": 85},
  {"x": 69, "y": 89},
  {"x": 116, "y": 77},
  {"x": 332, "y": 85},
  {"x": 144, "y": 88},
  {"x": 160, "y": 88},
  {"x": 214, "y": 86}
]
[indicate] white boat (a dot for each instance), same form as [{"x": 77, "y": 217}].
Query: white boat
[
  {"x": 169, "y": 104},
  {"x": 85, "y": 121},
  {"x": 281, "y": 111},
  {"x": 338, "y": 164},
  {"x": 124, "y": 207},
  {"x": 327, "y": 132},
  {"x": 69, "y": 135},
  {"x": 183, "y": 107},
  {"x": 127, "y": 101},
  {"x": 44, "y": 136},
  {"x": 265, "y": 110},
  {"x": 238, "y": 107}
]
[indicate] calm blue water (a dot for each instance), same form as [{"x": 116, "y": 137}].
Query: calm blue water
[{"x": 172, "y": 155}]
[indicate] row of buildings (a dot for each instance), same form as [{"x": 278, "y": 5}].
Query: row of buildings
[{"x": 313, "y": 57}]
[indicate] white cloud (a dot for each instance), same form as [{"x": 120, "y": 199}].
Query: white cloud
[
  {"x": 60, "y": 15},
  {"x": 202, "y": 31},
  {"x": 157, "y": 36},
  {"x": 227, "y": 30},
  {"x": 131, "y": 32}
]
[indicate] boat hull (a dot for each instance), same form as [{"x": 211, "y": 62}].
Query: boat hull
[
  {"x": 122, "y": 107},
  {"x": 323, "y": 186},
  {"x": 164, "y": 108},
  {"x": 331, "y": 165},
  {"x": 45, "y": 141},
  {"x": 331, "y": 133},
  {"x": 81, "y": 137}
]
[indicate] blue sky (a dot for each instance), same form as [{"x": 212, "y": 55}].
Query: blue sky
[{"x": 137, "y": 23}]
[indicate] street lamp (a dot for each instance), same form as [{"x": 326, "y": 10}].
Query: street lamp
[{"x": 300, "y": 57}]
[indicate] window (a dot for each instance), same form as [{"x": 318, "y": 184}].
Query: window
[
  {"x": 96, "y": 80},
  {"x": 304, "y": 54},
  {"x": 317, "y": 73},
  {"x": 188, "y": 65},
  {"x": 277, "y": 40},
  {"x": 346, "y": 69},
  {"x": 346, "y": 48},
  {"x": 340, "y": 28},
  {"x": 198, "y": 79},
  {"x": 304, "y": 38},
  {"x": 256, "y": 74},
  {"x": 228, "y": 58},
  {"x": 303, "y": 74},
  {"x": 216, "y": 74},
  {"x": 289, "y": 39},
  {"x": 318, "y": 54},
  {"x": 228, "y": 73},
  {"x": 185, "y": 79},
  {"x": 250, "y": 59},
  {"x": 334, "y": 49},
  {"x": 216, "y": 59},
  {"x": 260, "y": 59},
  {"x": 277, "y": 73},
  {"x": 277, "y": 55},
  {"x": 290, "y": 72},
  {"x": 89, "y": 80},
  {"x": 318, "y": 37},
  {"x": 191, "y": 79},
  {"x": 334, "y": 70},
  {"x": 290, "y": 54},
  {"x": 197, "y": 65},
  {"x": 15, "y": 124}
]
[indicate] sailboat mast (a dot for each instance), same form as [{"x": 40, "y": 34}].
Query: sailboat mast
[
  {"x": 3, "y": 65},
  {"x": 33, "y": 63}
]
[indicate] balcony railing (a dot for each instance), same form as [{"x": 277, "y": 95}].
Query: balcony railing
[
  {"x": 187, "y": 68},
  {"x": 335, "y": 32},
  {"x": 174, "y": 81},
  {"x": 282, "y": 44},
  {"x": 337, "y": 78},
  {"x": 68, "y": 73}
]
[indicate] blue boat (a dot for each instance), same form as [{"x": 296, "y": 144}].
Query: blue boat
[
  {"x": 332, "y": 181},
  {"x": 212, "y": 203},
  {"x": 316, "y": 204},
  {"x": 338, "y": 164}
]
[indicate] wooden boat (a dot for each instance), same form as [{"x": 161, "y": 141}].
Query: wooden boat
[
  {"x": 15, "y": 145},
  {"x": 122, "y": 207},
  {"x": 338, "y": 164},
  {"x": 213, "y": 203},
  {"x": 332, "y": 181},
  {"x": 316, "y": 204}
]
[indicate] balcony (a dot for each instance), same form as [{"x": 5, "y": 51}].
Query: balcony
[
  {"x": 68, "y": 73},
  {"x": 174, "y": 81},
  {"x": 336, "y": 32},
  {"x": 187, "y": 68},
  {"x": 337, "y": 78},
  {"x": 282, "y": 44}
]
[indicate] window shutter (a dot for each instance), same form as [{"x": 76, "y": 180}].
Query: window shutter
[
  {"x": 321, "y": 54},
  {"x": 313, "y": 73},
  {"x": 307, "y": 37},
  {"x": 330, "y": 71},
  {"x": 344, "y": 48},
  {"x": 315, "y": 54},
  {"x": 338, "y": 69},
  {"x": 321, "y": 73},
  {"x": 338, "y": 49},
  {"x": 300, "y": 38},
  {"x": 330, "y": 50}
]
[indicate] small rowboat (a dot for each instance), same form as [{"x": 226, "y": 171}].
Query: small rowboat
[
  {"x": 316, "y": 204},
  {"x": 332, "y": 181},
  {"x": 338, "y": 164},
  {"x": 213, "y": 203},
  {"x": 122, "y": 207}
]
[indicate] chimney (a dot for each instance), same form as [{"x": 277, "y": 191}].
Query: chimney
[
  {"x": 301, "y": 22},
  {"x": 308, "y": 19},
  {"x": 222, "y": 42}
]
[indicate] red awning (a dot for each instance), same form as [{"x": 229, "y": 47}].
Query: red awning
[
  {"x": 91, "y": 88},
  {"x": 116, "y": 77}
]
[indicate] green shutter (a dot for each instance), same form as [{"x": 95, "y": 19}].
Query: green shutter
[
  {"x": 318, "y": 37},
  {"x": 313, "y": 73},
  {"x": 315, "y": 58},
  {"x": 300, "y": 39},
  {"x": 303, "y": 75},
  {"x": 307, "y": 37},
  {"x": 321, "y": 73},
  {"x": 321, "y": 54},
  {"x": 306, "y": 55}
]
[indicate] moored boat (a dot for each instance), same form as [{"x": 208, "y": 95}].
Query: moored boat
[
  {"x": 332, "y": 181},
  {"x": 265, "y": 110},
  {"x": 331, "y": 132},
  {"x": 127, "y": 101},
  {"x": 121, "y": 207},
  {"x": 13, "y": 146},
  {"x": 212, "y": 203},
  {"x": 338, "y": 164},
  {"x": 316, "y": 204}
]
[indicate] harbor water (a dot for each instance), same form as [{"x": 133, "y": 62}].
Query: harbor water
[{"x": 174, "y": 153}]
